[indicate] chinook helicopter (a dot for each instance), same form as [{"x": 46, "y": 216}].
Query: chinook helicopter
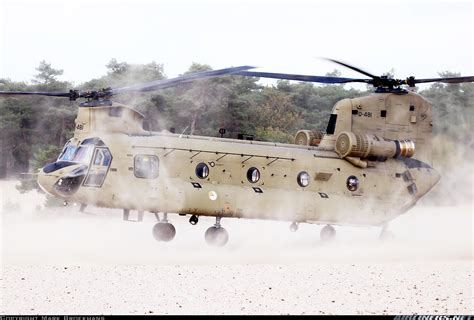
[{"x": 371, "y": 165}]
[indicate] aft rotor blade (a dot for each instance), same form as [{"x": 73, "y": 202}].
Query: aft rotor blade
[
  {"x": 300, "y": 77},
  {"x": 36, "y": 93},
  {"x": 446, "y": 80},
  {"x": 352, "y": 68},
  {"x": 166, "y": 83}
]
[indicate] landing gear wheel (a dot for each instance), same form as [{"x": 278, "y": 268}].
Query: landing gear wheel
[
  {"x": 164, "y": 231},
  {"x": 293, "y": 227},
  {"x": 194, "y": 219},
  {"x": 216, "y": 236},
  {"x": 328, "y": 233}
]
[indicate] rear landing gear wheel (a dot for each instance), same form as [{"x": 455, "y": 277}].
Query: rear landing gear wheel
[
  {"x": 216, "y": 236},
  {"x": 164, "y": 231},
  {"x": 328, "y": 234}
]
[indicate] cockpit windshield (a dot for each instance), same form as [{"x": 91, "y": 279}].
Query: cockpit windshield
[
  {"x": 68, "y": 153},
  {"x": 81, "y": 154}
]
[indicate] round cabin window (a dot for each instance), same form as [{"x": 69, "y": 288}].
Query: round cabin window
[
  {"x": 202, "y": 170},
  {"x": 352, "y": 183},
  {"x": 303, "y": 179},
  {"x": 253, "y": 175}
]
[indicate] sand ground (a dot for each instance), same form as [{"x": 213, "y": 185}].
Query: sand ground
[{"x": 59, "y": 261}]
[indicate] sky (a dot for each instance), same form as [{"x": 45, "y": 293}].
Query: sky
[{"x": 419, "y": 38}]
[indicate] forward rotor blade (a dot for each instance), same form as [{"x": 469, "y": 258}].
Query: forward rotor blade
[
  {"x": 300, "y": 77},
  {"x": 446, "y": 80},
  {"x": 166, "y": 83},
  {"x": 352, "y": 68},
  {"x": 25, "y": 93}
]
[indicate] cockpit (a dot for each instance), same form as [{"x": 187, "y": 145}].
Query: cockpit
[
  {"x": 80, "y": 153},
  {"x": 89, "y": 160}
]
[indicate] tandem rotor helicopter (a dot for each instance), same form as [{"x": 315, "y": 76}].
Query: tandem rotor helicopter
[{"x": 372, "y": 164}]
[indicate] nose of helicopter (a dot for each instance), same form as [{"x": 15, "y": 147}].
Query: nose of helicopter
[
  {"x": 62, "y": 182},
  {"x": 46, "y": 182}
]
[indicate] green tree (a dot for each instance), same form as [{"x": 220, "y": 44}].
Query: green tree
[
  {"x": 334, "y": 73},
  {"x": 46, "y": 74}
]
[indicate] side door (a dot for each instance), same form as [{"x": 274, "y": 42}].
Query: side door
[{"x": 98, "y": 168}]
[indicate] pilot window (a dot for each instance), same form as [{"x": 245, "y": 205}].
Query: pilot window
[
  {"x": 82, "y": 153},
  {"x": 146, "y": 166},
  {"x": 102, "y": 157},
  {"x": 99, "y": 167},
  {"x": 67, "y": 154}
]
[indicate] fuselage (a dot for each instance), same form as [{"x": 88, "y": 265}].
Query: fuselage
[{"x": 216, "y": 177}]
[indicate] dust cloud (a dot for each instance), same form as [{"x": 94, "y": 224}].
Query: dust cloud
[
  {"x": 62, "y": 261},
  {"x": 33, "y": 234}
]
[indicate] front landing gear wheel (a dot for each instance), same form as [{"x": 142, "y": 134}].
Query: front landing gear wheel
[
  {"x": 216, "y": 236},
  {"x": 194, "y": 220},
  {"x": 164, "y": 231},
  {"x": 294, "y": 227},
  {"x": 328, "y": 233}
]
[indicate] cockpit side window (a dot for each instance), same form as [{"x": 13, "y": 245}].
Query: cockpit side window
[
  {"x": 102, "y": 157},
  {"x": 98, "y": 168},
  {"x": 99, "y": 157}
]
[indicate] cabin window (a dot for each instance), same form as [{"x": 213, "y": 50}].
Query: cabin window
[
  {"x": 253, "y": 175},
  {"x": 146, "y": 166},
  {"x": 303, "y": 179},
  {"x": 352, "y": 183},
  {"x": 202, "y": 170},
  {"x": 331, "y": 124}
]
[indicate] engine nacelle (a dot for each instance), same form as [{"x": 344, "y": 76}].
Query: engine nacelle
[
  {"x": 308, "y": 137},
  {"x": 349, "y": 144}
]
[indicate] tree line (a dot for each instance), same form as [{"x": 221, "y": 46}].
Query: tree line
[{"x": 34, "y": 128}]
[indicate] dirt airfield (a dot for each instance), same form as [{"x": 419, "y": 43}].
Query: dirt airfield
[{"x": 61, "y": 261}]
